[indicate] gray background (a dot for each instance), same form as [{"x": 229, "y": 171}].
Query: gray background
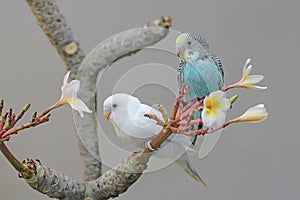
[{"x": 251, "y": 161}]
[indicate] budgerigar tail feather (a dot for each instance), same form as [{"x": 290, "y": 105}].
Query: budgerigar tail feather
[
  {"x": 185, "y": 164},
  {"x": 194, "y": 137},
  {"x": 196, "y": 115}
]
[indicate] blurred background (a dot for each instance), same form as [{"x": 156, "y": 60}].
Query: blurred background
[{"x": 250, "y": 161}]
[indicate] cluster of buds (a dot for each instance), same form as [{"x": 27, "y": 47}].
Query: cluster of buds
[
  {"x": 9, "y": 119},
  {"x": 29, "y": 168}
]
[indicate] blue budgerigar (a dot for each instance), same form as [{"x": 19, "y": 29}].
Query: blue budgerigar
[{"x": 201, "y": 73}]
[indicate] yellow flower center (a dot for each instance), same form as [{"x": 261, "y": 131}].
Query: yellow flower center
[
  {"x": 209, "y": 107},
  {"x": 71, "y": 101},
  {"x": 213, "y": 104}
]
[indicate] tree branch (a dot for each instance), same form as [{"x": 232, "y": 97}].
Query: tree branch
[
  {"x": 112, "y": 183},
  {"x": 54, "y": 25},
  {"x": 10, "y": 157}
]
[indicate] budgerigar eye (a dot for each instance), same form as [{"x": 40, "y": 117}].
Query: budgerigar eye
[
  {"x": 189, "y": 42},
  {"x": 114, "y": 105}
]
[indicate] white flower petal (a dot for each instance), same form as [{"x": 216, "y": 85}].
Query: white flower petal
[
  {"x": 216, "y": 97},
  {"x": 247, "y": 80},
  {"x": 254, "y": 79},
  {"x": 249, "y": 86},
  {"x": 217, "y": 93},
  {"x": 70, "y": 89},
  {"x": 79, "y": 105},
  {"x": 219, "y": 101},
  {"x": 66, "y": 77},
  {"x": 78, "y": 110},
  {"x": 75, "y": 85},
  {"x": 215, "y": 105},
  {"x": 246, "y": 65},
  {"x": 260, "y": 87},
  {"x": 260, "y": 105},
  {"x": 254, "y": 114},
  {"x": 208, "y": 120},
  {"x": 225, "y": 104},
  {"x": 248, "y": 71},
  {"x": 69, "y": 95},
  {"x": 248, "y": 61},
  {"x": 220, "y": 118}
]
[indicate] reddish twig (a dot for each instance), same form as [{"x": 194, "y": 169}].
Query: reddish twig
[
  {"x": 176, "y": 106},
  {"x": 25, "y": 126},
  {"x": 224, "y": 89},
  {"x": 190, "y": 107},
  {"x": 155, "y": 118},
  {"x": 21, "y": 114},
  {"x": 191, "y": 122},
  {"x": 12, "y": 120}
]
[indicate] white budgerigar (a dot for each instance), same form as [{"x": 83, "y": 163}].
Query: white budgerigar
[{"x": 126, "y": 113}]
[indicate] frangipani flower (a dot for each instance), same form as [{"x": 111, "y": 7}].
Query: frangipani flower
[
  {"x": 247, "y": 80},
  {"x": 215, "y": 106},
  {"x": 69, "y": 96},
  {"x": 257, "y": 113}
]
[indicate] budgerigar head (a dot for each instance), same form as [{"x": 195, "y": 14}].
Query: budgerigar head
[
  {"x": 119, "y": 105},
  {"x": 180, "y": 45},
  {"x": 190, "y": 41}
]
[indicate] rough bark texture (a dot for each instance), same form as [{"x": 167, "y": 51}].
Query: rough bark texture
[
  {"x": 54, "y": 25},
  {"x": 111, "y": 184}
]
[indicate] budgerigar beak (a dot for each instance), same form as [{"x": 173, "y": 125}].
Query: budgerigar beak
[
  {"x": 106, "y": 113},
  {"x": 179, "y": 50}
]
